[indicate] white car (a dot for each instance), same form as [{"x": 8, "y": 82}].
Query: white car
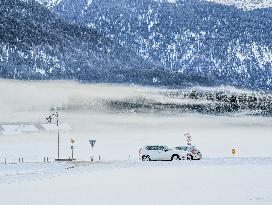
[
  {"x": 160, "y": 152},
  {"x": 192, "y": 152}
]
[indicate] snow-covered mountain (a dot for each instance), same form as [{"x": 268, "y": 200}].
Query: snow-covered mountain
[
  {"x": 37, "y": 44},
  {"x": 158, "y": 42},
  {"x": 48, "y": 3},
  {"x": 212, "y": 43},
  {"x": 246, "y": 4},
  {"x": 242, "y": 4}
]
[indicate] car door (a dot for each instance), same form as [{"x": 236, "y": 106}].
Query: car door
[
  {"x": 183, "y": 152},
  {"x": 165, "y": 153},
  {"x": 189, "y": 149},
  {"x": 154, "y": 153}
]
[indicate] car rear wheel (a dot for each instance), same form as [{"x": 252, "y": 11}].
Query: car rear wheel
[
  {"x": 175, "y": 158},
  {"x": 146, "y": 158},
  {"x": 190, "y": 157}
]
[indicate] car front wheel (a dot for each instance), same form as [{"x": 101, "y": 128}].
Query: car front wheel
[
  {"x": 190, "y": 157},
  {"x": 175, "y": 157},
  {"x": 146, "y": 158}
]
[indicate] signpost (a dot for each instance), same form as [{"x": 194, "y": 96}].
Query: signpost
[
  {"x": 92, "y": 143},
  {"x": 72, "y": 148}
]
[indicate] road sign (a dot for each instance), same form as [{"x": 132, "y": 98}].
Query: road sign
[
  {"x": 233, "y": 151},
  {"x": 49, "y": 119},
  {"x": 92, "y": 142},
  {"x": 72, "y": 141}
]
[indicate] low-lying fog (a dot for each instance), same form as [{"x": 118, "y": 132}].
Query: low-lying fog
[{"x": 119, "y": 133}]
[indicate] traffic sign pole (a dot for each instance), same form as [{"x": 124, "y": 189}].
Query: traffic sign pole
[
  {"x": 72, "y": 149},
  {"x": 49, "y": 120},
  {"x": 92, "y": 142}
]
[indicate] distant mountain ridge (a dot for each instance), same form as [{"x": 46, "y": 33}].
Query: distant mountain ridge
[
  {"x": 154, "y": 42},
  {"x": 212, "y": 43},
  {"x": 243, "y": 4},
  {"x": 246, "y": 4}
]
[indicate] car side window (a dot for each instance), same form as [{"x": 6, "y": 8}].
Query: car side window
[
  {"x": 153, "y": 147},
  {"x": 163, "y": 148},
  {"x": 148, "y": 147}
]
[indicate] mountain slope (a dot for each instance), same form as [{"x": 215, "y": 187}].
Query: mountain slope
[
  {"x": 209, "y": 42},
  {"x": 37, "y": 44}
]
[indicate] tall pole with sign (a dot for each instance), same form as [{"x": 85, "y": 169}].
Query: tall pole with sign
[
  {"x": 57, "y": 116},
  {"x": 49, "y": 120}
]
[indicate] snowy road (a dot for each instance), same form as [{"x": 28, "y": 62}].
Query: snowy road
[
  {"x": 24, "y": 172},
  {"x": 210, "y": 181}
]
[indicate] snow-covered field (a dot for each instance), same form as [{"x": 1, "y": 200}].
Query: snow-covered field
[
  {"x": 120, "y": 178},
  {"x": 211, "y": 181}
]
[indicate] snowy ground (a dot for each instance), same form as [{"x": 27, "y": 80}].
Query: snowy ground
[
  {"x": 119, "y": 178},
  {"x": 211, "y": 181}
]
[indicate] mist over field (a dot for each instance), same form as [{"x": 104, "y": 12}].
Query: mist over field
[{"x": 86, "y": 109}]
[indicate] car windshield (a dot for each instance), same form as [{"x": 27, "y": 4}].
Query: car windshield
[
  {"x": 166, "y": 148},
  {"x": 194, "y": 148},
  {"x": 180, "y": 148}
]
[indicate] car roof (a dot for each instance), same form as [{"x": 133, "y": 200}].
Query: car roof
[{"x": 156, "y": 146}]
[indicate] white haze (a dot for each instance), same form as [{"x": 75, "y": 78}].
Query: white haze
[{"x": 29, "y": 102}]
